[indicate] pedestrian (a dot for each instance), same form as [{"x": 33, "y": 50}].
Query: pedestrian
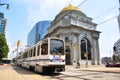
[
  {"x": 86, "y": 64},
  {"x": 107, "y": 63},
  {"x": 78, "y": 64}
]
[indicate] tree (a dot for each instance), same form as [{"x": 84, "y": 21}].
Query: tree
[{"x": 3, "y": 47}]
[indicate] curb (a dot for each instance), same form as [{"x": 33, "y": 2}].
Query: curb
[{"x": 102, "y": 71}]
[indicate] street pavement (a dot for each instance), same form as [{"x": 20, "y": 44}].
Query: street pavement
[
  {"x": 8, "y": 72},
  {"x": 97, "y": 72},
  {"x": 97, "y": 68}
]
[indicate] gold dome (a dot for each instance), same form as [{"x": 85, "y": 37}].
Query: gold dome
[{"x": 70, "y": 7}]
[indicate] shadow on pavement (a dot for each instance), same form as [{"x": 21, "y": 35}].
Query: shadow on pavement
[{"x": 22, "y": 70}]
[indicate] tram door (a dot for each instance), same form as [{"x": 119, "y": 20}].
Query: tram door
[{"x": 68, "y": 56}]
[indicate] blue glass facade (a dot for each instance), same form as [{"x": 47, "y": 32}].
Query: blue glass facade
[
  {"x": 1, "y": 15},
  {"x": 38, "y": 32},
  {"x": 2, "y": 23}
]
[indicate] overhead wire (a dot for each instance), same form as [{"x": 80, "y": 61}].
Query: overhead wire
[
  {"x": 102, "y": 13},
  {"x": 69, "y": 2},
  {"x": 81, "y": 3},
  {"x": 98, "y": 15},
  {"x": 105, "y": 12},
  {"x": 107, "y": 20},
  {"x": 78, "y": 5}
]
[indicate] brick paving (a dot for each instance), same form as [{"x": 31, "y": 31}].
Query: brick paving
[{"x": 8, "y": 72}]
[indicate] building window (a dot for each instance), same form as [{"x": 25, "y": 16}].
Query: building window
[
  {"x": 85, "y": 49},
  {"x": 66, "y": 17},
  {"x": 67, "y": 49},
  {"x": 34, "y": 51},
  {"x": 66, "y": 39},
  {"x": 38, "y": 52}
]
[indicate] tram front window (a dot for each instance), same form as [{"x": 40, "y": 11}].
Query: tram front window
[{"x": 56, "y": 47}]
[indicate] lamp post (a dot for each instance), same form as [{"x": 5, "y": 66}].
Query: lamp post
[{"x": 1, "y": 4}]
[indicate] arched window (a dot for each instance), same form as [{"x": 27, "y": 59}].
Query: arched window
[{"x": 85, "y": 49}]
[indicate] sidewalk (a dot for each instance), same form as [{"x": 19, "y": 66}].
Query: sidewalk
[
  {"x": 8, "y": 72},
  {"x": 100, "y": 68}
]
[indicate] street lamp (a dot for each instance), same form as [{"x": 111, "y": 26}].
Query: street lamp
[{"x": 5, "y": 4}]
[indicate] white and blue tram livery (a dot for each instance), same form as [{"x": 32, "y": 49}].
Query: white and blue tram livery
[{"x": 48, "y": 55}]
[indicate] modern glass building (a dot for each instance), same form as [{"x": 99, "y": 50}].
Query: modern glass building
[
  {"x": 2, "y": 23},
  {"x": 38, "y": 32}
]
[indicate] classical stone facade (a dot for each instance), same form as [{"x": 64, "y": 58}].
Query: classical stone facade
[{"x": 79, "y": 33}]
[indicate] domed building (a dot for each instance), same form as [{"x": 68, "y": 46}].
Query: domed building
[{"x": 80, "y": 35}]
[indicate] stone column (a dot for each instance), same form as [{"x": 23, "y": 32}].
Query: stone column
[
  {"x": 72, "y": 48},
  {"x": 98, "y": 52},
  {"x": 79, "y": 46}
]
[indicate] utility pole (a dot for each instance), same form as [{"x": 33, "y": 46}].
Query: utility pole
[
  {"x": 18, "y": 44},
  {"x": 119, "y": 16}
]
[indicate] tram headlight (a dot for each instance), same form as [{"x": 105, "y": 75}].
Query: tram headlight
[
  {"x": 63, "y": 60},
  {"x": 52, "y": 60}
]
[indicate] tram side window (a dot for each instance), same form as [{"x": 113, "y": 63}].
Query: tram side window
[
  {"x": 20, "y": 56},
  {"x": 28, "y": 54},
  {"x": 44, "y": 49},
  {"x": 25, "y": 55},
  {"x": 34, "y": 51},
  {"x": 38, "y": 50},
  {"x": 31, "y": 53}
]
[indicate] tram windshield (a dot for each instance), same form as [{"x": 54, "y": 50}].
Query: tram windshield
[{"x": 56, "y": 47}]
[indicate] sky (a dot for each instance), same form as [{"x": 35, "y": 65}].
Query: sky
[{"x": 23, "y": 14}]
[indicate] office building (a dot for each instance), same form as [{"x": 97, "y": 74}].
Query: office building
[
  {"x": 38, "y": 32},
  {"x": 3, "y": 23}
]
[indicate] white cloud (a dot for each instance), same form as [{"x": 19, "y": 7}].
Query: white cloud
[
  {"x": 39, "y": 10},
  {"x": 44, "y": 9}
]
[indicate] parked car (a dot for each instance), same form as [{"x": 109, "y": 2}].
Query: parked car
[{"x": 113, "y": 65}]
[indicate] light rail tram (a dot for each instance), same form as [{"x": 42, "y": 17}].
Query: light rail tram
[{"x": 48, "y": 55}]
